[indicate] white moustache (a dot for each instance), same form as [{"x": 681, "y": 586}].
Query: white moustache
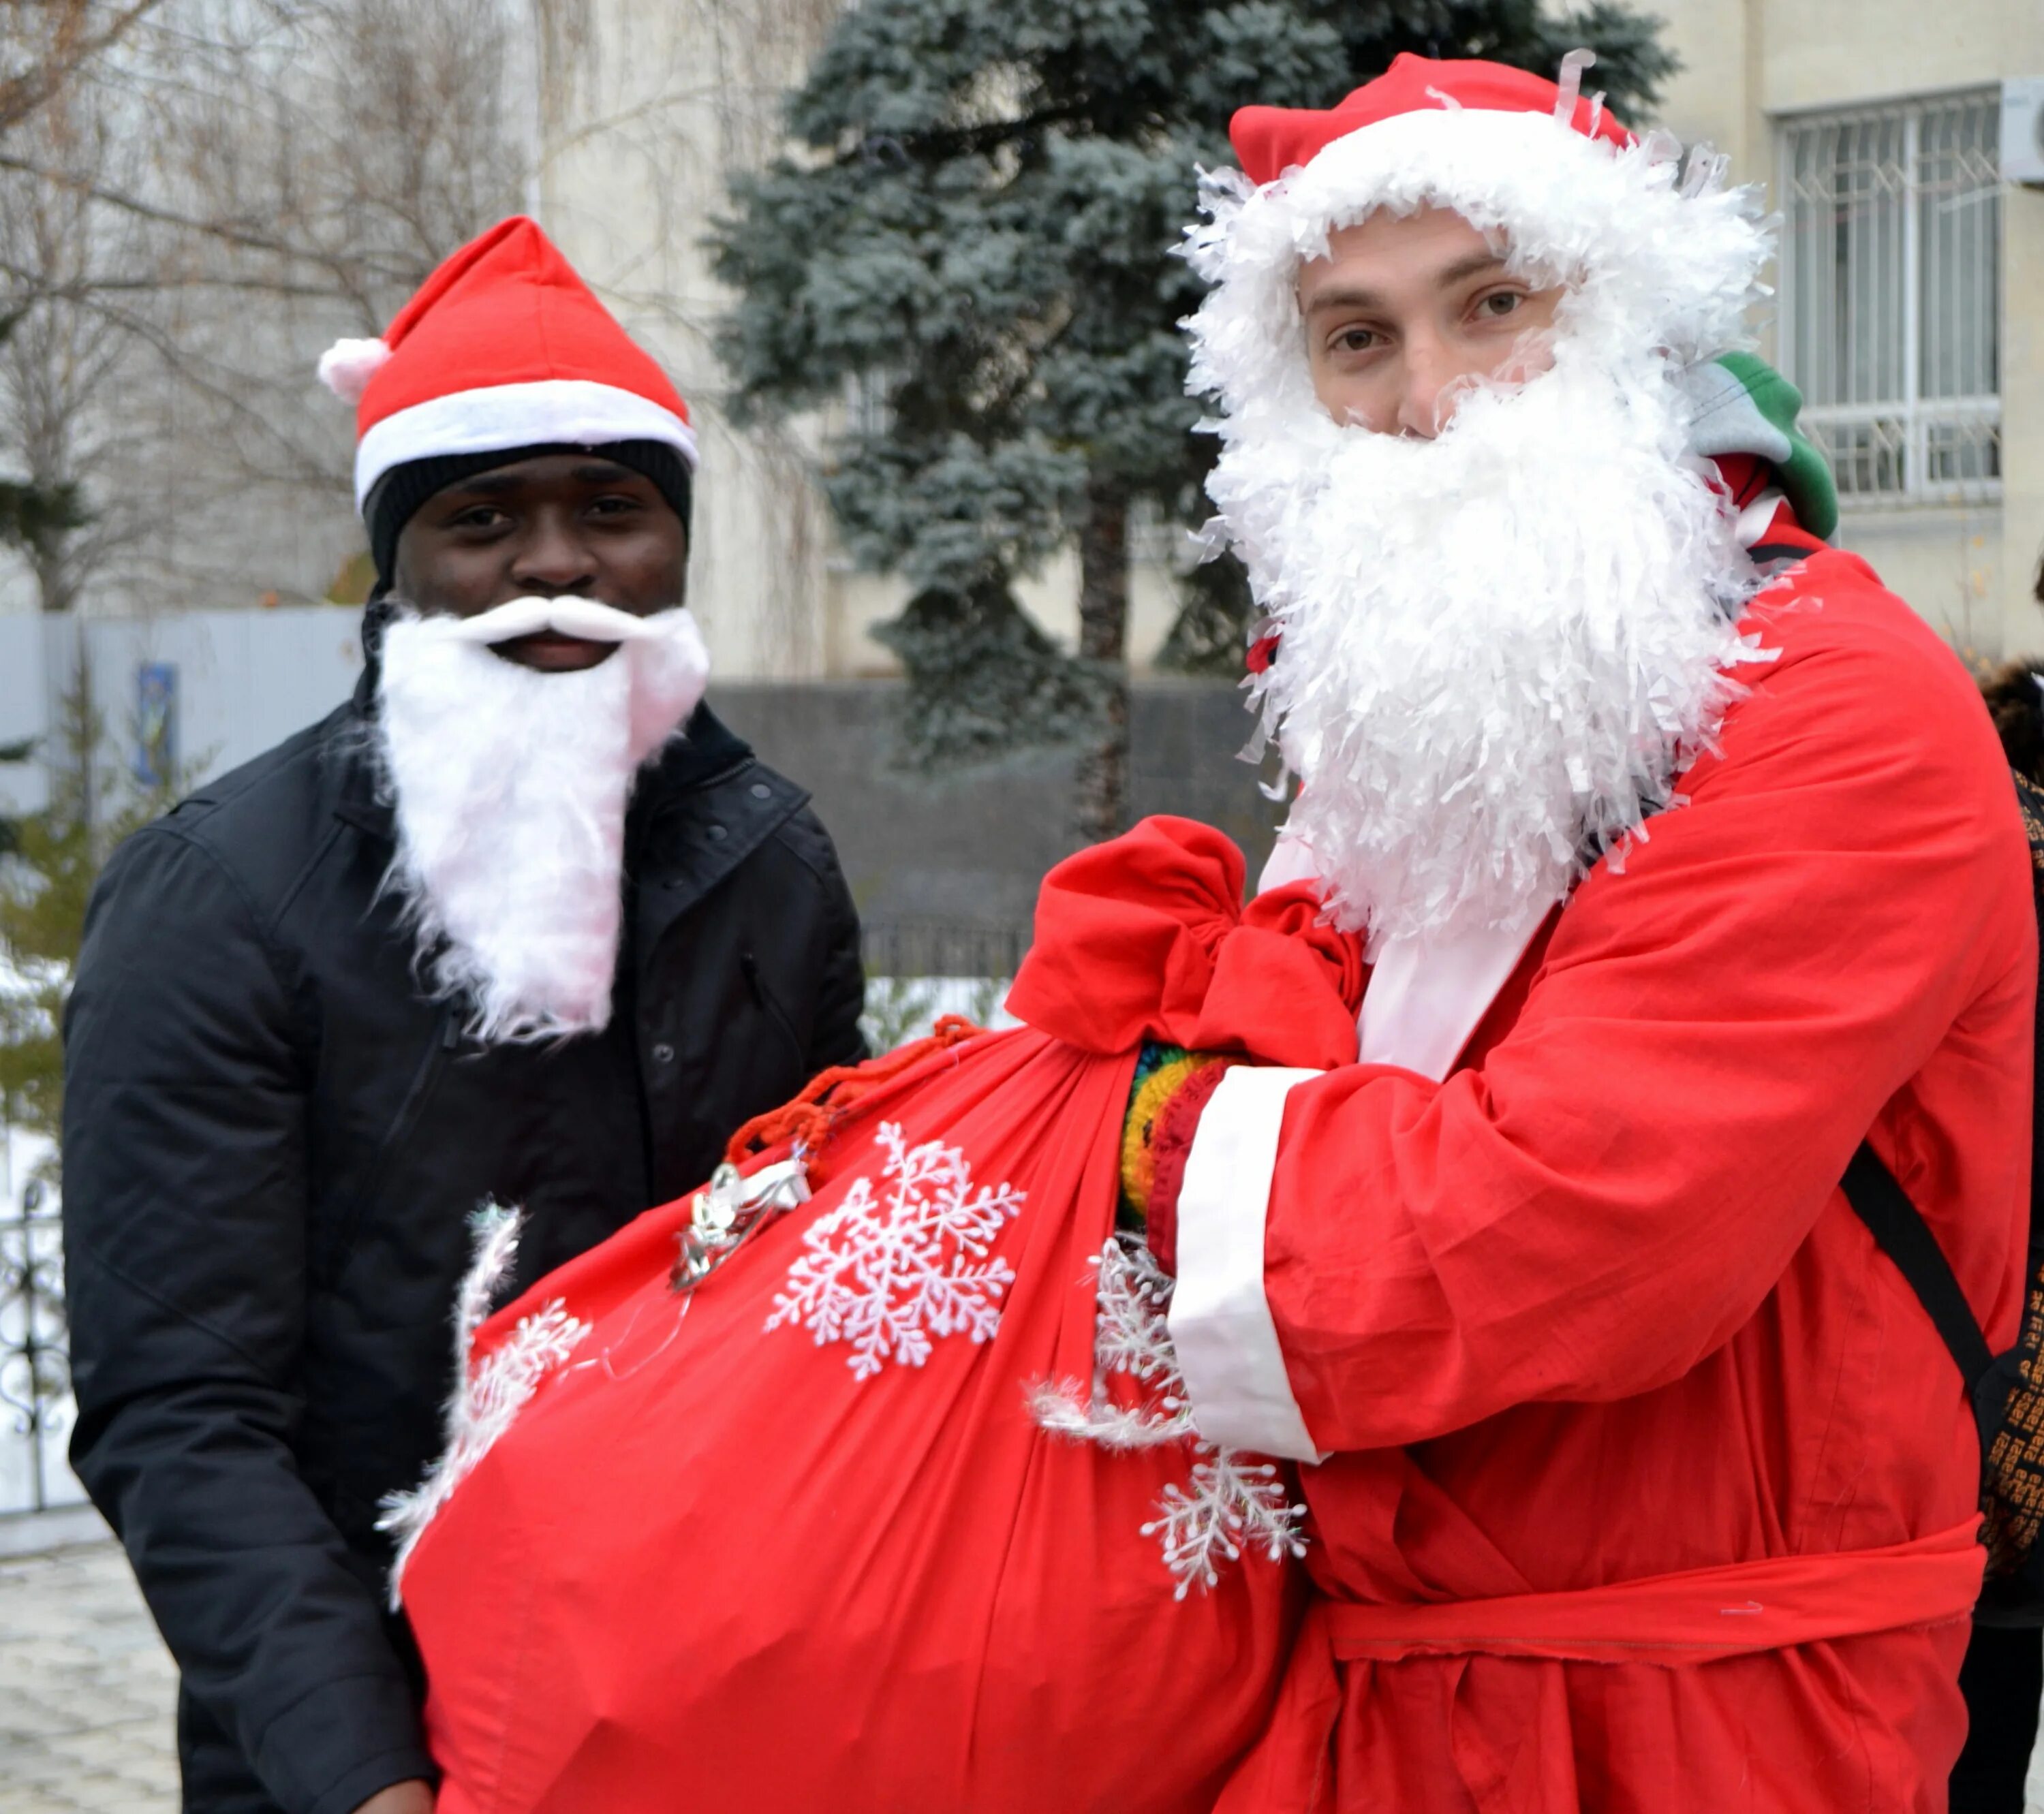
[{"x": 578, "y": 617}]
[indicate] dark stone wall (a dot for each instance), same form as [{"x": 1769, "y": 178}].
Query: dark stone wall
[{"x": 968, "y": 848}]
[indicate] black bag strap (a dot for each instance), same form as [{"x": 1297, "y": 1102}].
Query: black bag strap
[
  {"x": 1780, "y": 551},
  {"x": 1901, "y": 1232}
]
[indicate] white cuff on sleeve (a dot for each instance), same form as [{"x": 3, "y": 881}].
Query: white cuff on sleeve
[{"x": 1220, "y": 1320}]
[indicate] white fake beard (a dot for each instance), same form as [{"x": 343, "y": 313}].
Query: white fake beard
[
  {"x": 510, "y": 788},
  {"x": 1499, "y": 647}
]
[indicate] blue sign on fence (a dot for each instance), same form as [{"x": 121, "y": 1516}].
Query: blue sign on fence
[{"x": 155, "y": 724}]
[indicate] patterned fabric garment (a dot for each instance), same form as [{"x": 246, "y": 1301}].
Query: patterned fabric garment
[{"x": 1171, "y": 1087}]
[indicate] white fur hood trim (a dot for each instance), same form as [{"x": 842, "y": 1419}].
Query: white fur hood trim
[{"x": 1642, "y": 248}]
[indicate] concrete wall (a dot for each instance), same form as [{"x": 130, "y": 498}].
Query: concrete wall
[
  {"x": 1750, "y": 64},
  {"x": 971, "y": 848},
  {"x": 245, "y": 680}
]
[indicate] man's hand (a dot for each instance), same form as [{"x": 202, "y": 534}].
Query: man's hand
[{"x": 414, "y": 1798}]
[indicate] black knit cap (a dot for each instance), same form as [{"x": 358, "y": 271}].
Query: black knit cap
[{"x": 400, "y": 492}]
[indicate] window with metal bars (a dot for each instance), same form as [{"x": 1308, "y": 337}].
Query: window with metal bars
[{"x": 1891, "y": 306}]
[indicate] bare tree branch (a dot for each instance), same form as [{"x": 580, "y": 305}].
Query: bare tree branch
[
  {"x": 73, "y": 38},
  {"x": 237, "y": 182}
]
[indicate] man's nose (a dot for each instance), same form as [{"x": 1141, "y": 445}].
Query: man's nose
[
  {"x": 554, "y": 557},
  {"x": 1426, "y": 404}
]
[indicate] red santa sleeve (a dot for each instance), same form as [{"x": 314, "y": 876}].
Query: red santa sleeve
[{"x": 1367, "y": 1258}]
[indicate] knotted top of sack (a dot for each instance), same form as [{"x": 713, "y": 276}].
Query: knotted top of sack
[{"x": 1144, "y": 937}]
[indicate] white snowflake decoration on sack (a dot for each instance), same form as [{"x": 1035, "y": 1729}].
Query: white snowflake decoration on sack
[
  {"x": 1232, "y": 1504},
  {"x": 889, "y": 1276}
]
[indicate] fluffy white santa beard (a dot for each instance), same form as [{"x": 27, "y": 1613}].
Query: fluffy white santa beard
[
  {"x": 510, "y": 788},
  {"x": 1499, "y": 647}
]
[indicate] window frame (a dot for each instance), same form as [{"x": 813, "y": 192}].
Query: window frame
[{"x": 1899, "y": 429}]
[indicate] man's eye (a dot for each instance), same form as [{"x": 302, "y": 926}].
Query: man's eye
[
  {"x": 617, "y": 505},
  {"x": 1500, "y": 303},
  {"x": 1355, "y": 341},
  {"x": 478, "y": 517}
]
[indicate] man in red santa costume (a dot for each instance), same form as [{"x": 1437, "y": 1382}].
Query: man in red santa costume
[{"x": 1639, "y": 1478}]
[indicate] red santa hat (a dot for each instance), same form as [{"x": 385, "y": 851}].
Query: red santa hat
[
  {"x": 1270, "y": 140},
  {"x": 1648, "y": 246},
  {"x": 504, "y": 346}
]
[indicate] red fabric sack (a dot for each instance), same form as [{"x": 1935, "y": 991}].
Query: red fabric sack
[{"x": 797, "y": 1539}]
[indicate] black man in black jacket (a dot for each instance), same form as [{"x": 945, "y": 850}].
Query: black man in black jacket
[{"x": 521, "y": 923}]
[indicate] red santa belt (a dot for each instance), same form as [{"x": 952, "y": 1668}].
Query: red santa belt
[{"x": 1695, "y": 1617}]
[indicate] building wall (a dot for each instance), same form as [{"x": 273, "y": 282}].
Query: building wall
[
  {"x": 639, "y": 126},
  {"x": 1749, "y": 65}
]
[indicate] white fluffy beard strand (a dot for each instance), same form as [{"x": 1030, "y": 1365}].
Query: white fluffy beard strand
[
  {"x": 1499, "y": 647},
  {"x": 510, "y": 788}
]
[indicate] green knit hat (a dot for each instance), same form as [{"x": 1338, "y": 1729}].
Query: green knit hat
[{"x": 1739, "y": 404}]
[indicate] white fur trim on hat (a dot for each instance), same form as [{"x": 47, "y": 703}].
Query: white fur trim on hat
[
  {"x": 346, "y": 367},
  {"x": 577, "y": 413},
  {"x": 1637, "y": 244}
]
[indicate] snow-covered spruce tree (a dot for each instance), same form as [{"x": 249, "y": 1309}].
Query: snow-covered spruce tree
[{"x": 971, "y": 245}]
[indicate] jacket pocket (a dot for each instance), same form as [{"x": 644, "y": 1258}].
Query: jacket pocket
[{"x": 770, "y": 1005}]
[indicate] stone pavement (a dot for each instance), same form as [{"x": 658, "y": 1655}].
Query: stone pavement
[{"x": 86, "y": 1689}]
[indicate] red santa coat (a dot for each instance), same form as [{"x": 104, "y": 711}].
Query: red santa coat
[{"x": 1593, "y": 1311}]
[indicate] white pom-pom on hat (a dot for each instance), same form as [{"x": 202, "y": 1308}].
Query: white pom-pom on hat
[{"x": 346, "y": 367}]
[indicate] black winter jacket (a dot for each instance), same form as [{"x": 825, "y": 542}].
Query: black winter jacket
[{"x": 273, "y": 1143}]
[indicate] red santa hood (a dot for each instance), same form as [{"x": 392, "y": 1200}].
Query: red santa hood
[{"x": 1655, "y": 252}]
